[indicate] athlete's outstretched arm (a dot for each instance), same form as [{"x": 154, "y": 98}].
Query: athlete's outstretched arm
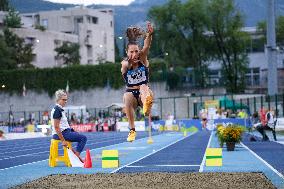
[{"x": 147, "y": 40}]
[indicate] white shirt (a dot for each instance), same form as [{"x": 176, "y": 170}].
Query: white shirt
[
  {"x": 58, "y": 113},
  {"x": 270, "y": 121}
]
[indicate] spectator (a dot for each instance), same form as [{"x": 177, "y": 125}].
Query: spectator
[
  {"x": 262, "y": 113},
  {"x": 73, "y": 119},
  {"x": 224, "y": 115},
  {"x": 203, "y": 115},
  {"x": 45, "y": 117},
  {"x": 267, "y": 123},
  {"x": 255, "y": 120},
  {"x": 87, "y": 117},
  {"x": 101, "y": 114},
  {"x": 242, "y": 114},
  {"x": 269, "y": 116},
  {"x": 2, "y": 137}
]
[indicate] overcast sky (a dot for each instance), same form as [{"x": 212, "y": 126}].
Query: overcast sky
[{"x": 88, "y": 2}]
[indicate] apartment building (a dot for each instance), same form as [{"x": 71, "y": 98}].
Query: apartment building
[{"x": 92, "y": 29}]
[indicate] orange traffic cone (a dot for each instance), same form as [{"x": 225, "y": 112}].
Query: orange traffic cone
[{"x": 88, "y": 160}]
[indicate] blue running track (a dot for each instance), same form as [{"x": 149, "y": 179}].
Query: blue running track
[
  {"x": 23, "y": 151},
  {"x": 27, "y": 159},
  {"x": 272, "y": 152},
  {"x": 183, "y": 156}
]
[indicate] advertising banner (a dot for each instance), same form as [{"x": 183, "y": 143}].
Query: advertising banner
[
  {"x": 84, "y": 127},
  {"x": 123, "y": 126},
  {"x": 16, "y": 129}
]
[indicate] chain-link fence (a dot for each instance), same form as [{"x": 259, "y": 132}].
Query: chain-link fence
[
  {"x": 180, "y": 107},
  {"x": 189, "y": 107},
  {"x": 43, "y": 117}
]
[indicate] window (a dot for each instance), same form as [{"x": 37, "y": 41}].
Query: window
[
  {"x": 89, "y": 51},
  {"x": 94, "y": 20},
  {"x": 79, "y": 19},
  {"x": 248, "y": 80},
  {"x": 90, "y": 61},
  {"x": 44, "y": 22},
  {"x": 88, "y": 19},
  {"x": 253, "y": 77},
  {"x": 57, "y": 43},
  {"x": 255, "y": 70},
  {"x": 256, "y": 80},
  {"x": 30, "y": 40},
  {"x": 213, "y": 77}
]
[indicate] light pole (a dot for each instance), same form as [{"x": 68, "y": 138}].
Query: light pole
[{"x": 272, "y": 79}]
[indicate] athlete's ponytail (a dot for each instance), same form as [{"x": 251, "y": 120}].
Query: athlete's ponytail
[{"x": 133, "y": 34}]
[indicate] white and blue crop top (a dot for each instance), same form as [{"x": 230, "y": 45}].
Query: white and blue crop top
[{"x": 137, "y": 76}]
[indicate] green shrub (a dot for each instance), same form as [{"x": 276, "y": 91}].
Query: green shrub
[{"x": 80, "y": 77}]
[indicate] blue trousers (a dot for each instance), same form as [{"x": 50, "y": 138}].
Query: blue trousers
[{"x": 72, "y": 136}]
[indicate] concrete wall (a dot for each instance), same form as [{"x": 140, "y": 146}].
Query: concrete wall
[{"x": 94, "y": 98}]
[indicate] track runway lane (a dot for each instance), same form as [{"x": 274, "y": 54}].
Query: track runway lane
[
  {"x": 128, "y": 153},
  {"x": 272, "y": 152},
  {"x": 23, "y": 151},
  {"x": 184, "y": 156}
]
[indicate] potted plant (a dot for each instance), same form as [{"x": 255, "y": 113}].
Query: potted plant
[
  {"x": 219, "y": 133},
  {"x": 230, "y": 135}
]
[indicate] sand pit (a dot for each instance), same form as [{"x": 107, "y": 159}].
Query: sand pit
[{"x": 152, "y": 180}]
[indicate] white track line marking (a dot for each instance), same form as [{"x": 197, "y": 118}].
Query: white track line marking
[
  {"x": 177, "y": 165},
  {"x": 61, "y": 150},
  {"x": 48, "y": 159},
  {"x": 204, "y": 157},
  {"x": 265, "y": 162},
  {"x": 48, "y": 142},
  {"x": 23, "y": 164},
  {"x": 137, "y": 166},
  {"x": 47, "y": 146},
  {"x": 152, "y": 153}
]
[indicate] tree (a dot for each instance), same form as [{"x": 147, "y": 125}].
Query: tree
[
  {"x": 280, "y": 30},
  {"x": 156, "y": 51},
  {"x": 21, "y": 51},
  {"x": 194, "y": 21},
  {"x": 181, "y": 32},
  {"x": 261, "y": 27},
  {"x": 197, "y": 31},
  {"x": 117, "y": 56},
  {"x": 6, "y": 60},
  {"x": 124, "y": 48},
  {"x": 168, "y": 31},
  {"x": 12, "y": 20},
  {"x": 4, "y": 5},
  {"x": 230, "y": 42},
  {"x": 69, "y": 53},
  {"x": 15, "y": 52}
]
